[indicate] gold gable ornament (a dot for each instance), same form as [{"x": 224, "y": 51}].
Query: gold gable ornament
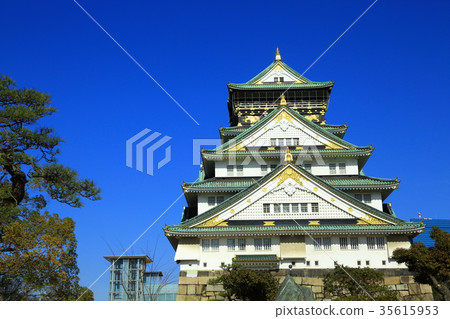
[
  {"x": 288, "y": 158},
  {"x": 283, "y": 100}
]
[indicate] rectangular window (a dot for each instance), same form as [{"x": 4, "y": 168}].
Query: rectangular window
[
  {"x": 117, "y": 275},
  {"x": 358, "y": 262},
  {"x": 267, "y": 244},
  {"x": 316, "y": 263},
  {"x": 295, "y": 208},
  {"x": 211, "y": 201},
  {"x": 383, "y": 262},
  {"x": 273, "y": 142},
  {"x": 342, "y": 169},
  {"x": 307, "y": 167},
  {"x": 258, "y": 243},
  {"x": 266, "y": 208},
  {"x": 370, "y": 242},
  {"x": 288, "y": 142},
  {"x": 304, "y": 207},
  {"x": 205, "y": 244},
  {"x": 241, "y": 244},
  {"x": 286, "y": 208},
  {"x": 354, "y": 243},
  {"x": 332, "y": 167},
  {"x": 275, "y": 79},
  {"x": 367, "y": 262},
  {"x": 220, "y": 199},
  {"x": 214, "y": 244},
  {"x": 276, "y": 208},
  {"x": 281, "y": 142},
  {"x": 281, "y": 78},
  {"x": 264, "y": 169},
  {"x": 205, "y": 264},
  {"x": 326, "y": 243},
  {"x": 380, "y": 242},
  {"x": 118, "y": 264},
  {"x": 230, "y": 170},
  {"x": 315, "y": 207},
  {"x": 273, "y": 166},
  {"x": 132, "y": 285},
  {"x": 296, "y": 141},
  {"x": 317, "y": 243},
  {"x": 367, "y": 198},
  {"x": 231, "y": 244},
  {"x": 240, "y": 170},
  {"x": 308, "y": 263},
  {"x": 343, "y": 243}
]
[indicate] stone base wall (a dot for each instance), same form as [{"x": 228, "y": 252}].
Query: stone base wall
[{"x": 198, "y": 288}]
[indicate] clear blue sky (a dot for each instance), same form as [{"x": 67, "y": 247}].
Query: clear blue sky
[{"x": 391, "y": 72}]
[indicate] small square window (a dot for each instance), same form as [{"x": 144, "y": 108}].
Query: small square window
[
  {"x": 273, "y": 166},
  {"x": 266, "y": 208},
  {"x": 307, "y": 167},
  {"x": 304, "y": 207},
  {"x": 295, "y": 141},
  {"x": 367, "y": 262},
  {"x": 275, "y": 79},
  {"x": 264, "y": 169},
  {"x": 358, "y": 262},
  {"x": 240, "y": 170},
  {"x": 211, "y": 201},
  {"x": 281, "y": 79},
  {"x": 293, "y": 263},
  {"x": 294, "y": 208},
  {"x": 205, "y": 264},
  {"x": 308, "y": 263},
  {"x": 286, "y": 208},
  {"x": 342, "y": 168},
  {"x": 316, "y": 263},
  {"x": 277, "y": 208},
  {"x": 332, "y": 167},
  {"x": 273, "y": 142},
  {"x": 258, "y": 243},
  {"x": 315, "y": 207},
  {"x": 231, "y": 244},
  {"x": 383, "y": 262},
  {"x": 222, "y": 264},
  {"x": 214, "y": 244},
  {"x": 230, "y": 170},
  {"x": 241, "y": 244}
]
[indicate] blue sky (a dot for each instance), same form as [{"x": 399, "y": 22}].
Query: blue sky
[{"x": 390, "y": 69}]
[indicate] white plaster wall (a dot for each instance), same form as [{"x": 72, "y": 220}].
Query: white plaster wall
[
  {"x": 252, "y": 166},
  {"x": 202, "y": 201},
  {"x": 376, "y": 202},
  {"x": 214, "y": 259}
]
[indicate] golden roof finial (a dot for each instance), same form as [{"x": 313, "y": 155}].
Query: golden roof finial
[
  {"x": 288, "y": 158},
  {"x": 283, "y": 100},
  {"x": 277, "y": 55}
]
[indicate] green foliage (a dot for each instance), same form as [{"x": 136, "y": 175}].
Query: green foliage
[
  {"x": 37, "y": 249},
  {"x": 340, "y": 286},
  {"x": 431, "y": 265},
  {"x": 241, "y": 283}
]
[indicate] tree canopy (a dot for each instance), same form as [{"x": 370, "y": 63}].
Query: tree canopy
[
  {"x": 431, "y": 265},
  {"x": 241, "y": 283},
  {"x": 340, "y": 286},
  {"x": 37, "y": 248}
]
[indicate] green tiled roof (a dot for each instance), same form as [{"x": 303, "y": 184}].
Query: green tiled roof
[
  {"x": 295, "y": 114},
  {"x": 236, "y": 197},
  {"x": 241, "y": 183},
  {"x": 256, "y": 258},
  {"x": 240, "y": 129},
  {"x": 281, "y": 86},
  {"x": 326, "y": 228},
  {"x": 364, "y": 151},
  {"x": 250, "y": 85}
]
